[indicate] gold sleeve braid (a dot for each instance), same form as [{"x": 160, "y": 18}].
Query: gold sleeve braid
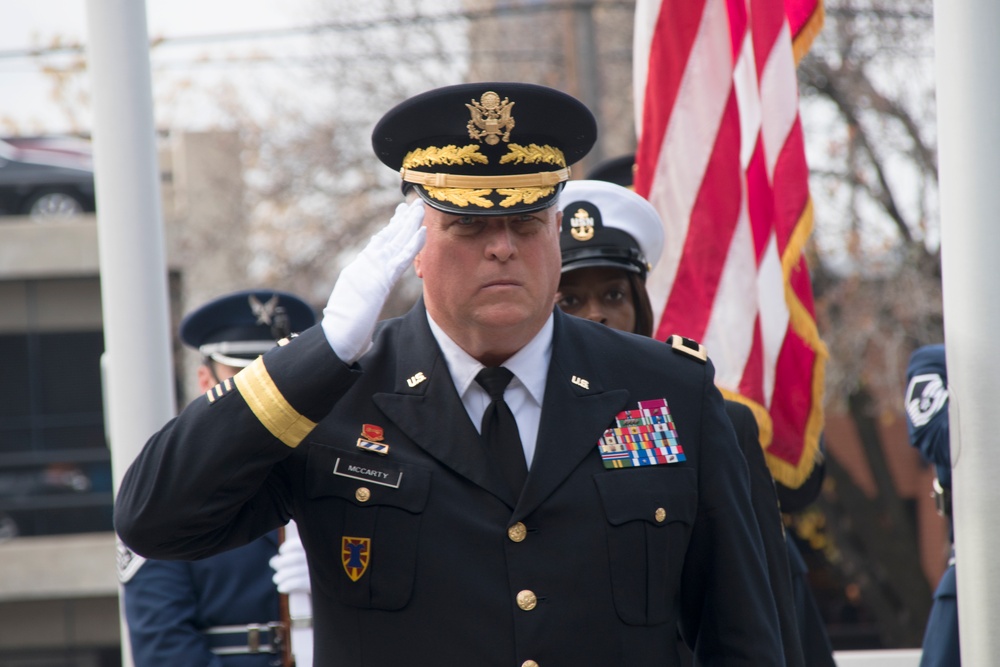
[{"x": 274, "y": 412}]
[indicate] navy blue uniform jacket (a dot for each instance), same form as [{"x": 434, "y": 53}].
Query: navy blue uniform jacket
[
  {"x": 927, "y": 422},
  {"x": 169, "y": 605},
  {"x": 423, "y": 567}
]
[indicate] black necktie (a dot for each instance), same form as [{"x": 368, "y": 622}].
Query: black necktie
[{"x": 503, "y": 443}]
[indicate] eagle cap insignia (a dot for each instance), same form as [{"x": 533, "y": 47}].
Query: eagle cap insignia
[
  {"x": 491, "y": 119},
  {"x": 263, "y": 311},
  {"x": 582, "y": 225}
]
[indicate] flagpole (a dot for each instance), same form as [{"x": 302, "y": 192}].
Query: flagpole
[
  {"x": 139, "y": 378},
  {"x": 968, "y": 96}
]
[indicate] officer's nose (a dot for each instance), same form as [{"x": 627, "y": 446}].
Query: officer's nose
[{"x": 595, "y": 313}]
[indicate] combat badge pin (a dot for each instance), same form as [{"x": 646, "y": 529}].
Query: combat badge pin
[{"x": 371, "y": 439}]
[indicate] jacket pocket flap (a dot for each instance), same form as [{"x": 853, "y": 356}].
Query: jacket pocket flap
[{"x": 655, "y": 495}]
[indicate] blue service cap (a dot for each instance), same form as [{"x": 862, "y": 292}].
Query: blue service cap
[{"x": 236, "y": 328}]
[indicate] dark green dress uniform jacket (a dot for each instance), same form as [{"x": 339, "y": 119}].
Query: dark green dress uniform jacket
[{"x": 418, "y": 556}]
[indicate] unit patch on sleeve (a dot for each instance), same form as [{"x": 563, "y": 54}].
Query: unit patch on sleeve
[
  {"x": 128, "y": 561},
  {"x": 925, "y": 397},
  {"x": 643, "y": 437}
]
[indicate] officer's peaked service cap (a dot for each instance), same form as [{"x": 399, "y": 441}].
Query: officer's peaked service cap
[
  {"x": 236, "y": 328},
  {"x": 491, "y": 148},
  {"x": 608, "y": 225}
]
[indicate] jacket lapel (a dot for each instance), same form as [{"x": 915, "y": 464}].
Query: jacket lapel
[
  {"x": 575, "y": 412},
  {"x": 425, "y": 405}
]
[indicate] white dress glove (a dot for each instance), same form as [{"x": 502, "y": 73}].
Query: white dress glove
[
  {"x": 291, "y": 571},
  {"x": 351, "y": 313}
]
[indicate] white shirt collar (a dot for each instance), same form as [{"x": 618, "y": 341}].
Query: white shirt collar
[{"x": 530, "y": 365}]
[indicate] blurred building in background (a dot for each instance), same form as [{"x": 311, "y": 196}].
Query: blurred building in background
[{"x": 58, "y": 586}]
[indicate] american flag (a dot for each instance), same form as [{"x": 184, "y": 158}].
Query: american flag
[{"x": 720, "y": 154}]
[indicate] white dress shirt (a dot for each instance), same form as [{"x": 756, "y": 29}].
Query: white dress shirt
[{"x": 530, "y": 367}]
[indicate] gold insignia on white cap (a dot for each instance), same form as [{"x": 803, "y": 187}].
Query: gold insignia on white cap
[{"x": 582, "y": 225}]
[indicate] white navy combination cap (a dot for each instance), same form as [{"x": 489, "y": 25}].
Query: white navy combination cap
[{"x": 605, "y": 224}]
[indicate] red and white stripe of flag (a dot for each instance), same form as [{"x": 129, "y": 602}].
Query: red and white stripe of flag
[{"x": 720, "y": 155}]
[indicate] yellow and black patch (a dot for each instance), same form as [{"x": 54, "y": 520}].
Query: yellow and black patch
[
  {"x": 691, "y": 348},
  {"x": 220, "y": 390}
]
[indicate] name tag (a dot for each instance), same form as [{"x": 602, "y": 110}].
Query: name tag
[{"x": 368, "y": 472}]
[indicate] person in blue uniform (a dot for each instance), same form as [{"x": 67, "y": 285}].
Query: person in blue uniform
[
  {"x": 222, "y": 611},
  {"x": 611, "y": 238},
  {"x": 485, "y": 480},
  {"x": 926, "y": 407}
]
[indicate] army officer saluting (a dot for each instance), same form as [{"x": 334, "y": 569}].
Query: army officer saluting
[{"x": 486, "y": 480}]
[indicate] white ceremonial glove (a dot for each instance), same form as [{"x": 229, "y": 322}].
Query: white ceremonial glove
[
  {"x": 351, "y": 313},
  {"x": 291, "y": 571}
]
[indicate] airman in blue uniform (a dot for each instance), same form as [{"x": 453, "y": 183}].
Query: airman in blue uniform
[
  {"x": 927, "y": 422},
  {"x": 222, "y": 611}
]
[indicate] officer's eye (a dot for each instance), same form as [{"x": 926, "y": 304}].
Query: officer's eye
[
  {"x": 615, "y": 295},
  {"x": 467, "y": 225},
  {"x": 569, "y": 301},
  {"x": 526, "y": 223}
]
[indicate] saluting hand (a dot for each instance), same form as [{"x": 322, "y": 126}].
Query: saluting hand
[{"x": 363, "y": 286}]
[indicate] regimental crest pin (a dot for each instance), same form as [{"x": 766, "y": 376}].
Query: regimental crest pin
[
  {"x": 491, "y": 119},
  {"x": 643, "y": 437},
  {"x": 372, "y": 432},
  {"x": 371, "y": 439},
  {"x": 355, "y": 554},
  {"x": 582, "y": 225}
]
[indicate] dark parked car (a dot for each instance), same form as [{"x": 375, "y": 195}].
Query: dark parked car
[{"x": 46, "y": 177}]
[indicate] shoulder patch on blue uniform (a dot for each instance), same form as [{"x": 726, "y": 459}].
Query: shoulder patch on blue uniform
[
  {"x": 220, "y": 390},
  {"x": 127, "y": 561},
  {"x": 925, "y": 397},
  {"x": 692, "y": 348}
]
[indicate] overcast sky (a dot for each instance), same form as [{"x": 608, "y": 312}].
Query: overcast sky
[{"x": 24, "y": 92}]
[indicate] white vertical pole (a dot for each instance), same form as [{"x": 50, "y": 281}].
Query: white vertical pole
[
  {"x": 140, "y": 392},
  {"x": 967, "y": 36}
]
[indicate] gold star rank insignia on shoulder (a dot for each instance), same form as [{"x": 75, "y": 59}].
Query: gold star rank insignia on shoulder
[{"x": 643, "y": 437}]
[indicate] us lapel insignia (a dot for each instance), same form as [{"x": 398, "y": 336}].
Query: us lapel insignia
[
  {"x": 371, "y": 439},
  {"x": 355, "y": 554},
  {"x": 643, "y": 437},
  {"x": 415, "y": 379},
  {"x": 580, "y": 382}
]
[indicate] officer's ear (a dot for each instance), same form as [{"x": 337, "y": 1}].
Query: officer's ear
[
  {"x": 206, "y": 380},
  {"x": 416, "y": 265}
]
